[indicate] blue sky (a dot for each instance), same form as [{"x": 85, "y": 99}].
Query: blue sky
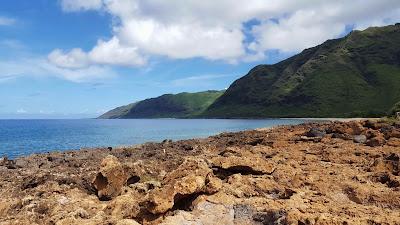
[{"x": 73, "y": 59}]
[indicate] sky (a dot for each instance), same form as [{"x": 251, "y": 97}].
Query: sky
[{"x": 80, "y": 58}]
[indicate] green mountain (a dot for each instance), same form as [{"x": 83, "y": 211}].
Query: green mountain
[
  {"x": 181, "y": 105},
  {"x": 354, "y": 76}
]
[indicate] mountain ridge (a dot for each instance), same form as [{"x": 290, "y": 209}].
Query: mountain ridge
[
  {"x": 354, "y": 76},
  {"x": 181, "y": 105}
]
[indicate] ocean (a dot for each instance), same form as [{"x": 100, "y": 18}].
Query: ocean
[{"x": 25, "y": 137}]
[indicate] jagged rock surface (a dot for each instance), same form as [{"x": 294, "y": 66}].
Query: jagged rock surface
[{"x": 325, "y": 173}]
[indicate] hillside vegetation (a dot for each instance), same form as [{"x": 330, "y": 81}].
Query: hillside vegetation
[
  {"x": 354, "y": 76},
  {"x": 180, "y": 105}
]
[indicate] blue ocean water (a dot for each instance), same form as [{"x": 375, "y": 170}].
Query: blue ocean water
[{"x": 24, "y": 137}]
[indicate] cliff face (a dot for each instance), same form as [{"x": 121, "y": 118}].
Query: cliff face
[
  {"x": 355, "y": 76},
  {"x": 331, "y": 173}
]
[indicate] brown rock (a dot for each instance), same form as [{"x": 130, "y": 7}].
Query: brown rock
[
  {"x": 376, "y": 141},
  {"x": 375, "y": 125},
  {"x": 371, "y": 133},
  {"x": 161, "y": 200},
  {"x": 395, "y": 142},
  {"x": 356, "y": 127},
  {"x": 110, "y": 179},
  {"x": 127, "y": 222},
  {"x": 213, "y": 184},
  {"x": 192, "y": 177},
  {"x": 394, "y": 133},
  {"x": 384, "y": 165},
  {"x": 205, "y": 213},
  {"x": 123, "y": 206},
  {"x": 225, "y": 179}
]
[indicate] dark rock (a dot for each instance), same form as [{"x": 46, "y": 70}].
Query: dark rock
[
  {"x": 10, "y": 164},
  {"x": 188, "y": 147},
  {"x": 393, "y": 157},
  {"x": 271, "y": 217},
  {"x": 316, "y": 132},
  {"x": 34, "y": 182}
]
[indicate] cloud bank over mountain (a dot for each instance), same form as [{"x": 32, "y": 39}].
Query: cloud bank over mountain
[{"x": 225, "y": 30}]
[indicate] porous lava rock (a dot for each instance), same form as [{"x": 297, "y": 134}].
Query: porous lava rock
[{"x": 110, "y": 179}]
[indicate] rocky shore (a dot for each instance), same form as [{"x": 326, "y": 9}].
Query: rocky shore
[{"x": 317, "y": 173}]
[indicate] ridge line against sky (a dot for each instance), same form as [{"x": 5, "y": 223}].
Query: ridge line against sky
[{"x": 96, "y": 54}]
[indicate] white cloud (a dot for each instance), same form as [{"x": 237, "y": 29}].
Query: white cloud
[
  {"x": 294, "y": 33},
  {"x": 73, "y": 59},
  {"x": 37, "y": 67},
  {"x": 5, "y": 21},
  {"x": 215, "y": 30},
  {"x": 111, "y": 52},
  {"x": 88, "y": 74},
  {"x": 77, "y": 5},
  {"x": 105, "y": 53},
  {"x": 306, "y": 28}
]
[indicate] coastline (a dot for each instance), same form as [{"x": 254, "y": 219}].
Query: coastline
[{"x": 294, "y": 173}]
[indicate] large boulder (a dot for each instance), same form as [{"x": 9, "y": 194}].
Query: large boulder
[
  {"x": 110, "y": 179},
  {"x": 192, "y": 178}
]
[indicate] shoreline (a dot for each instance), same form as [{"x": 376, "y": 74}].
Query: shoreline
[
  {"x": 62, "y": 149},
  {"x": 292, "y": 173}
]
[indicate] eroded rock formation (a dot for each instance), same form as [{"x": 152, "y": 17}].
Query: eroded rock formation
[{"x": 325, "y": 173}]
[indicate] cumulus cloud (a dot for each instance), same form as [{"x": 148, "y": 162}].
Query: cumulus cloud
[
  {"x": 219, "y": 30},
  {"x": 5, "y": 21},
  {"x": 105, "y": 52},
  {"x": 113, "y": 53},
  {"x": 305, "y": 28}
]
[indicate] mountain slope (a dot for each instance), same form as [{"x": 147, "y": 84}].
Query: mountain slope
[
  {"x": 358, "y": 75},
  {"x": 181, "y": 105}
]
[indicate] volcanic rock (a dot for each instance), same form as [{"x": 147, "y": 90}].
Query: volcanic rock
[
  {"x": 191, "y": 178},
  {"x": 264, "y": 176},
  {"x": 111, "y": 178},
  {"x": 376, "y": 141}
]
